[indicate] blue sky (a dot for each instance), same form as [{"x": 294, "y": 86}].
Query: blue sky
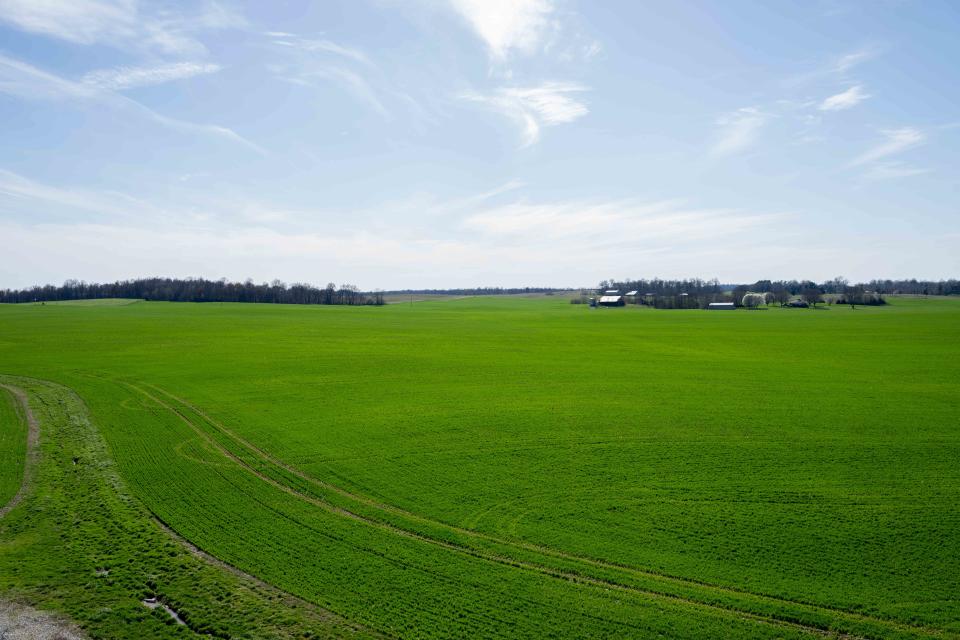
[{"x": 441, "y": 143}]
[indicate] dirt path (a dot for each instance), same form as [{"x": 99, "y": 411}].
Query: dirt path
[
  {"x": 33, "y": 439},
  {"x": 20, "y": 622}
]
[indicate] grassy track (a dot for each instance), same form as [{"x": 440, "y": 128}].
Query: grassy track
[
  {"x": 98, "y": 302},
  {"x": 525, "y": 467},
  {"x": 13, "y": 448},
  {"x": 79, "y": 543}
]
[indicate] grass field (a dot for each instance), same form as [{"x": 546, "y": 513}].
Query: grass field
[
  {"x": 13, "y": 448},
  {"x": 491, "y": 467}
]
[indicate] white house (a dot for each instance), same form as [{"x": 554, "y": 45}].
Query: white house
[{"x": 611, "y": 301}]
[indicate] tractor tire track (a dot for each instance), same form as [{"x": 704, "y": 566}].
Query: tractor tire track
[
  {"x": 559, "y": 574},
  {"x": 22, "y": 405},
  {"x": 526, "y": 546},
  {"x": 288, "y": 599}
]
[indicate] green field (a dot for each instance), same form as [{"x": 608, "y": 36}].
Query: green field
[
  {"x": 488, "y": 467},
  {"x": 13, "y": 447}
]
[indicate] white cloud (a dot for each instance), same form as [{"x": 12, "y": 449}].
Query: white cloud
[
  {"x": 898, "y": 140},
  {"x": 591, "y": 50},
  {"x": 610, "y": 223},
  {"x": 497, "y": 237},
  {"x": 355, "y": 84},
  {"x": 850, "y": 60},
  {"x": 844, "y": 100},
  {"x": 546, "y": 242},
  {"x": 28, "y": 196},
  {"x": 129, "y": 77},
  {"x": 507, "y": 26},
  {"x": 79, "y": 21},
  {"x": 532, "y": 108},
  {"x": 833, "y": 69},
  {"x": 25, "y": 81},
  {"x": 118, "y": 23},
  {"x": 17, "y": 78},
  {"x": 311, "y": 63},
  {"x": 739, "y": 130}
]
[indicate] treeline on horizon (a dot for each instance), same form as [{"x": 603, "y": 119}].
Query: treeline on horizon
[
  {"x": 479, "y": 291},
  {"x": 697, "y": 293},
  {"x": 196, "y": 290},
  {"x": 663, "y": 292}
]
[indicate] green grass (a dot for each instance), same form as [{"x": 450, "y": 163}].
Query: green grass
[
  {"x": 523, "y": 467},
  {"x": 97, "y": 302},
  {"x": 81, "y": 544},
  {"x": 13, "y": 447}
]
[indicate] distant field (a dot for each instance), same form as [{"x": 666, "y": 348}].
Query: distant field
[
  {"x": 497, "y": 467},
  {"x": 395, "y": 298},
  {"x": 13, "y": 448},
  {"x": 99, "y": 302}
]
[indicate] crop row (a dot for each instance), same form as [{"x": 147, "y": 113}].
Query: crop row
[
  {"x": 305, "y": 513},
  {"x": 399, "y": 584}
]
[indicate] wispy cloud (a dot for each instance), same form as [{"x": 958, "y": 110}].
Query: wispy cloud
[
  {"x": 833, "y": 68},
  {"x": 328, "y": 46},
  {"x": 507, "y": 26},
  {"x": 119, "y": 23},
  {"x": 353, "y": 82},
  {"x": 844, "y": 100},
  {"x": 739, "y": 130},
  {"x": 311, "y": 63},
  {"x": 897, "y": 141},
  {"x": 30, "y": 83},
  {"x": 848, "y": 61},
  {"x": 892, "y": 171},
  {"x": 32, "y": 196},
  {"x": 550, "y": 240},
  {"x": 129, "y": 77},
  {"x": 610, "y": 223},
  {"x": 17, "y": 78},
  {"x": 549, "y": 104}
]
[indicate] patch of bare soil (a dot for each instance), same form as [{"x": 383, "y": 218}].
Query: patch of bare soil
[{"x": 20, "y": 622}]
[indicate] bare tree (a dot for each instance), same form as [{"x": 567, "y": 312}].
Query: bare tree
[{"x": 811, "y": 295}]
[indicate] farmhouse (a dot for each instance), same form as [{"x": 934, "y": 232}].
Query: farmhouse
[
  {"x": 721, "y": 306},
  {"x": 611, "y": 301}
]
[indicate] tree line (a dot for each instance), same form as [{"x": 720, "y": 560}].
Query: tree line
[
  {"x": 697, "y": 294},
  {"x": 693, "y": 293},
  {"x": 196, "y": 290},
  {"x": 480, "y": 291}
]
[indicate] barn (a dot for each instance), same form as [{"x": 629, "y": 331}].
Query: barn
[
  {"x": 611, "y": 301},
  {"x": 721, "y": 306}
]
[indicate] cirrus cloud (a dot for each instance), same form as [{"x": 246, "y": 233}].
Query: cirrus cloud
[
  {"x": 545, "y": 105},
  {"x": 130, "y": 77},
  {"x": 844, "y": 100}
]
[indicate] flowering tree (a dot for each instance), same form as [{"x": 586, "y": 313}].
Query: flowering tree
[{"x": 753, "y": 300}]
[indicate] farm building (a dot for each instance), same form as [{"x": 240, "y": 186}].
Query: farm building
[
  {"x": 611, "y": 301},
  {"x": 721, "y": 306}
]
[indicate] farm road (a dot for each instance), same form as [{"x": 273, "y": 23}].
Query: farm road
[{"x": 33, "y": 438}]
